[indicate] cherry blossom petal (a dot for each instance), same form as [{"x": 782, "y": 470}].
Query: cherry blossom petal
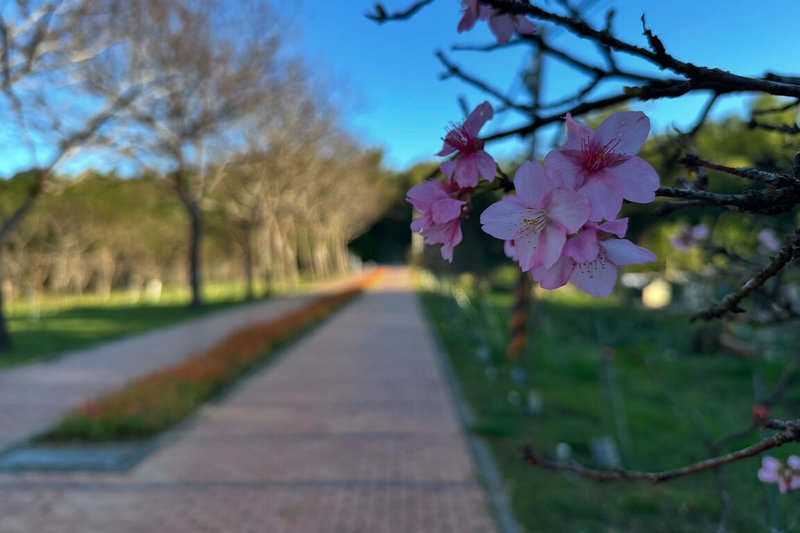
[
  {"x": 466, "y": 174},
  {"x": 446, "y": 209},
  {"x": 551, "y": 244},
  {"x": 478, "y": 118},
  {"x": 768, "y": 473},
  {"x": 567, "y": 208},
  {"x": 604, "y": 199},
  {"x": 596, "y": 278},
  {"x": 532, "y": 184},
  {"x": 440, "y": 233},
  {"x": 471, "y": 12},
  {"x": 448, "y": 168},
  {"x": 446, "y": 150},
  {"x": 525, "y": 25},
  {"x": 616, "y": 227},
  {"x": 794, "y": 463},
  {"x": 527, "y": 246},
  {"x": 485, "y": 12},
  {"x": 503, "y": 27},
  {"x": 563, "y": 168},
  {"x": 504, "y": 219},
  {"x": 625, "y": 132},
  {"x": 485, "y": 164},
  {"x": 453, "y": 239},
  {"x": 623, "y": 252},
  {"x": 555, "y": 276},
  {"x": 578, "y": 135},
  {"x": 418, "y": 224},
  {"x": 635, "y": 178},
  {"x": 583, "y": 247},
  {"x": 422, "y": 195}
]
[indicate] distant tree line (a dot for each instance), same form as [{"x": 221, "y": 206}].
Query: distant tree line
[{"x": 99, "y": 232}]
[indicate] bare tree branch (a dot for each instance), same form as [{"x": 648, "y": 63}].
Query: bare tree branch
[
  {"x": 453, "y": 70},
  {"x": 789, "y": 432},
  {"x": 380, "y": 14},
  {"x": 770, "y": 178},
  {"x": 791, "y": 129},
  {"x": 730, "y": 304}
]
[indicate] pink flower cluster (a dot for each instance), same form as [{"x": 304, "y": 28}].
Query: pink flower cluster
[
  {"x": 443, "y": 205},
  {"x": 562, "y": 222},
  {"x": 787, "y": 476},
  {"x": 503, "y": 25}
]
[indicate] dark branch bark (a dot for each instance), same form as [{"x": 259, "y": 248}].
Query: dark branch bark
[
  {"x": 380, "y": 15},
  {"x": 453, "y": 70},
  {"x": 730, "y": 304},
  {"x": 789, "y": 432},
  {"x": 770, "y": 178}
]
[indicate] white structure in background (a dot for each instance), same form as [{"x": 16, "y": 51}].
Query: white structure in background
[{"x": 657, "y": 294}]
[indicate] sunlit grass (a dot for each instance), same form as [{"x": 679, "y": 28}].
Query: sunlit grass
[
  {"x": 55, "y": 323},
  {"x": 657, "y": 398}
]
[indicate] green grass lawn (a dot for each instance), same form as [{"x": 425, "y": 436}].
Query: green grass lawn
[
  {"x": 658, "y": 399},
  {"x": 58, "y": 323}
]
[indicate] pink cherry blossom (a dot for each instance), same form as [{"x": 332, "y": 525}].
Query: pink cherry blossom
[
  {"x": 472, "y": 162},
  {"x": 787, "y": 476},
  {"x": 590, "y": 259},
  {"x": 602, "y": 164},
  {"x": 503, "y": 25},
  {"x": 538, "y": 218},
  {"x": 473, "y": 10},
  {"x": 441, "y": 214}
]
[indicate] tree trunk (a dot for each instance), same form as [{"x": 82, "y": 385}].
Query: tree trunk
[
  {"x": 305, "y": 254},
  {"x": 5, "y": 336},
  {"x": 247, "y": 245},
  {"x": 196, "y": 254}
]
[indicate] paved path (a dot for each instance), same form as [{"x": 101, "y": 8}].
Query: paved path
[
  {"x": 352, "y": 430},
  {"x": 33, "y": 397}
]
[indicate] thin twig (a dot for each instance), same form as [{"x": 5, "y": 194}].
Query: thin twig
[
  {"x": 770, "y": 178},
  {"x": 454, "y": 70},
  {"x": 778, "y": 109},
  {"x": 789, "y": 432},
  {"x": 701, "y": 119},
  {"x": 730, "y": 304},
  {"x": 791, "y": 129},
  {"x": 697, "y": 77},
  {"x": 380, "y": 15}
]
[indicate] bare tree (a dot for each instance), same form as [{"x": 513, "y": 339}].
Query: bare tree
[
  {"x": 304, "y": 186},
  {"x": 214, "y": 63},
  {"x": 46, "y": 49}
]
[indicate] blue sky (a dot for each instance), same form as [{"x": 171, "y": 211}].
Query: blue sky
[
  {"x": 400, "y": 103},
  {"x": 395, "y": 99}
]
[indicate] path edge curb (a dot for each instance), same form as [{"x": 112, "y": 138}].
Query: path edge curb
[{"x": 481, "y": 452}]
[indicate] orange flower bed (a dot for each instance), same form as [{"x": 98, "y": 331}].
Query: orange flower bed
[{"x": 157, "y": 401}]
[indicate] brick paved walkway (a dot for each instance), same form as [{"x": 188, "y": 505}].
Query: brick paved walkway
[
  {"x": 33, "y": 397},
  {"x": 352, "y": 430}
]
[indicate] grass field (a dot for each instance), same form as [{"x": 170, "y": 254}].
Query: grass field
[
  {"x": 659, "y": 401},
  {"x": 56, "y": 323}
]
